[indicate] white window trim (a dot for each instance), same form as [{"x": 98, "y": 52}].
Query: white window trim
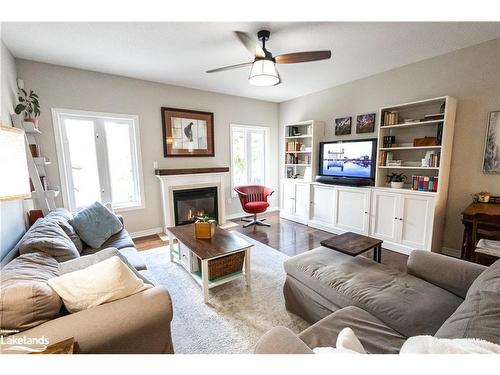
[
  {"x": 267, "y": 168},
  {"x": 61, "y": 161}
]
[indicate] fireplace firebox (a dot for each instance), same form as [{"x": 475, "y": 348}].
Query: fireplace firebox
[{"x": 190, "y": 203}]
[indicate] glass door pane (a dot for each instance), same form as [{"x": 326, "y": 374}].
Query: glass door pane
[
  {"x": 121, "y": 162},
  {"x": 257, "y": 151},
  {"x": 82, "y": 164},
  {"x": 239, "y": 158}
]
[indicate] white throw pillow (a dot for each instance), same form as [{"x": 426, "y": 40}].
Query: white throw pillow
[
  {"x": 102, "y": 282},
  {"x": 347, "y": 343}
]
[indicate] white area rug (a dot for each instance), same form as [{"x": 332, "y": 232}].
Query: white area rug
[{"x": 236, "y": 316}]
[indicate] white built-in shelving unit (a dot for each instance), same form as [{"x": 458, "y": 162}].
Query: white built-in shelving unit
[{"x": 301, "y": 150}]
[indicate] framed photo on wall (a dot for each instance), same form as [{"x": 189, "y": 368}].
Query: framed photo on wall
[
  {"x": 491, "y": 159},
  {"x": 365, "y": 123},
  {"x": 187, "y": 132},
  {"x": 343, "y": 126}
]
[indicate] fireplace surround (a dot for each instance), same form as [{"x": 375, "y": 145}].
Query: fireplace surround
[{"x": 172, "y": 181}]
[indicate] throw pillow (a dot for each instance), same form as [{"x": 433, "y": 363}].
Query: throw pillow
[
  {"x": 107, "y": 281},
  {"x": 347, "y": 343},
  {"x": 88, "y": 260},
  {"x": 95, "y": 224},
  {"x": 26, "y": 300},
  {"x": 47, "y": 236},
  {"x": 62, "y": 216}
]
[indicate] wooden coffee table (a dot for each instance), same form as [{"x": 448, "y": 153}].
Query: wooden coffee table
[
  {"x": 189, "y": 250},
  {"x": 354, "y": 244}
]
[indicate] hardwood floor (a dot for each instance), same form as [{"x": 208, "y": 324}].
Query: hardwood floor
[
  {"x": 293, "y": 238},
  {"x": 285, "y": 236}
]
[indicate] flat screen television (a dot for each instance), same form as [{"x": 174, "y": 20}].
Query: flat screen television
[{"x": 348, "y": 162}]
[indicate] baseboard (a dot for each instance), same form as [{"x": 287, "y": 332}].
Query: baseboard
[
  {"x": 146, "y": 232},
  {"x": 243, "y": 214},
  {"x": 451, "y": 252}
]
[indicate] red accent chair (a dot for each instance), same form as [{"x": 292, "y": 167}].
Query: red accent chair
[{"x": 253, "y": 199}]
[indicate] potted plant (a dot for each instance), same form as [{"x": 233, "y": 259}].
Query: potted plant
[
  {"x": 204, "y": 227},
  {"x": 397, "y": 180},
  {"x": 28, "y": 106}
]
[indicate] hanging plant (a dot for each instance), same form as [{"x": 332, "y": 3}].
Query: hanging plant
[{"x": 28, "y": 105}]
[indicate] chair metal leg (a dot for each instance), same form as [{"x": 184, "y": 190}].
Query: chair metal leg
[{"x": 255, "y": 221}]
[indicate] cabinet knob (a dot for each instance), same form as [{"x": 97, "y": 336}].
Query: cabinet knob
[
  {"x": 395, "y": 218},
  {"x": 366, "y": 212},
  {"x": 401, "y": 218}
]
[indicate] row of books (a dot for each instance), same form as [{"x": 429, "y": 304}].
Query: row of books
[
  {"x": 424, "y": 183},
  {"x": 382, "y": 157},
  {"x": 432, "y": 159},
  {"x": 390, "y": 118},
  {"x": 293, "y": 146},
  {"x": 296, "y": 159}
]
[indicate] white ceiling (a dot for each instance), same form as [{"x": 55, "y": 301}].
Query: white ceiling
[{"x": 179, "y": 53}]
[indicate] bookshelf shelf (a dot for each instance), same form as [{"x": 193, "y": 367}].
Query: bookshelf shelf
[
  {"x": 411, "y": 124},
  {"x": 410, "y": 148},
  {"x": 298, "y": 152},
  {"x": 299, "y": 136},
  {"x": 297, "y": 165},
  {"x": 406, "y": 167}
]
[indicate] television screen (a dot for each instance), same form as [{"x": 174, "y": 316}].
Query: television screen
[{"x": 355, "y": 159}]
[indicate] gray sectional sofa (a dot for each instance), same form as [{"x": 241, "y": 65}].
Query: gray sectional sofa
[
  {"x": 439, "y": 295},
  {"x": 136, "y": 324}
]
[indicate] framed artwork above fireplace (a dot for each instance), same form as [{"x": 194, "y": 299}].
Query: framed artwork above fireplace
[{"x": 187, "y": 132}]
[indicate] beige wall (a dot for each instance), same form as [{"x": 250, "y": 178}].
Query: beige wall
[
  {"x": 79, "y": 89},
  {"x": 471, "y": 75}
]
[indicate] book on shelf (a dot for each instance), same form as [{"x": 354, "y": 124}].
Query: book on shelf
[
  {"x": 388, "y": 141},
  {"x": 424, "y": 183},
  {"x": 431, "y": 159},
  {"x": 390, "y": 118}
]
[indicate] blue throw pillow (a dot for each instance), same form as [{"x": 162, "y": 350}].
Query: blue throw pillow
[{"x": 95, "y": 224}]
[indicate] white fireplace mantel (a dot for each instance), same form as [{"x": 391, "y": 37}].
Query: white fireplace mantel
[{"x": 170, "y": 183}]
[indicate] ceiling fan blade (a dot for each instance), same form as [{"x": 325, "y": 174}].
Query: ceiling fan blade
[
  {"x": 300, "y": 57},
  {"x": 229, "y": 67},
  {"x": 250, "y": 44}
]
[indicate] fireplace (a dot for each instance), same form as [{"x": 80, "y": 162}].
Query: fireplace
[{"x": 190, "y": 203}]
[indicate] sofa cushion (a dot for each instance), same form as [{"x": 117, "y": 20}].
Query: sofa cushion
[
  {"x": 48, "y": 237},
  {"x": 95, "y": 224},
  {"x": 374, "y": 335},
  {"x": 103, "y": 282},
  {"x": 119, "y": 240},
  {"x": 62, "y": 216},
  {"x": 88, "y": 260},
  {"x": 405, "y": 303},
  {"x": 479, "y": 314},
  {"x": 26, "y": 300}
]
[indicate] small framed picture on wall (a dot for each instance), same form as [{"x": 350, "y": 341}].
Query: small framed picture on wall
[
  {"x": 343, "y": 126},
  {"x": 365, "y": 123},
  {"x": 491, "y": 159}
]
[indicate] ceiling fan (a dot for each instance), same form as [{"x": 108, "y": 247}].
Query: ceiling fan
[{"x": 264, "y": 72}]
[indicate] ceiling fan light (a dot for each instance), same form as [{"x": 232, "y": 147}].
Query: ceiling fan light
[{"x": 264, "y": 73}]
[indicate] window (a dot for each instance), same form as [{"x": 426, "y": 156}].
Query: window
[
  {"x": 99, "y": 158},
  {"x": 248, "y": 154}
]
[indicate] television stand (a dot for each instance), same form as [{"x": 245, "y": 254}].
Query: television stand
[{"x": 345, "y": 181}]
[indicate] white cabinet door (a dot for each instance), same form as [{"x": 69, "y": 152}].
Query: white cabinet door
[
  {"x": 416, "y": 217},
  {"x": 302, "y": 201},
  {"x": 288, "y": 205},
  {"x": 322, "y": 204},
  {"x": 385, "y": 216},
  {"x": 352, "y": 210}
]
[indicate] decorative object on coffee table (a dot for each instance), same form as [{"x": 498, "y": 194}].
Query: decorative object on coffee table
[
  {"x": 397, "y": 180},
  {"x": 491, "y": 160},
  {"x": 365, "y": 123},
  {"x": 343, "y": 126},
  {"x": 187, "y": 132},
  {"x": 355, "y": 244},
  {"x": 221, "y": 259},
  {"x": 204, "y": 227}
]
